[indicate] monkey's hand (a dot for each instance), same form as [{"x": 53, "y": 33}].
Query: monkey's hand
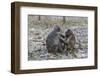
[{"x": 63, "y": 40}]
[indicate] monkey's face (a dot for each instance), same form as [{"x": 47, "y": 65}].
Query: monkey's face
[{"x": 68, "y": 33}]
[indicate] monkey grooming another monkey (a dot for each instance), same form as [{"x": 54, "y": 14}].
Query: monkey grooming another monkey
[{"x": 53, "y": 42}]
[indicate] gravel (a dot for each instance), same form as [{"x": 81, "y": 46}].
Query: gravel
[{"x": 37, "y": 48}]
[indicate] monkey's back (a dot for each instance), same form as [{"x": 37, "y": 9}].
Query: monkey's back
[{"x": 52, "y": 42}]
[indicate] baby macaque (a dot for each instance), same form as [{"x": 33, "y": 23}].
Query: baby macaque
[{"x": 70, "y": 41}]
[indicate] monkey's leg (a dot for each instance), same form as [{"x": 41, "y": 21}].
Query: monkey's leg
[
  {"x": 73, "y": 53},
  {"x": 60, "y": 47},
  {"x": 56, "y": 50},
  {"x": 66, "y": 52}
]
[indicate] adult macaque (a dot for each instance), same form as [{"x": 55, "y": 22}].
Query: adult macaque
[{"x": 53, "y": 41}]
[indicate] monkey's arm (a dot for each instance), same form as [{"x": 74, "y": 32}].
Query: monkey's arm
[
  {"x": 62, "y": 38},
  {"x": 62, "y": 35},
  {"x": 63, "y": 41}
]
